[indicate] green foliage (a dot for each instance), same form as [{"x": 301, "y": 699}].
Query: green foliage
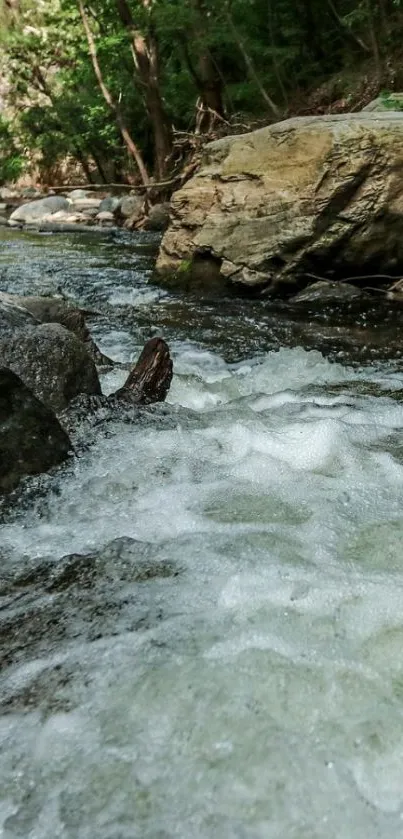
[
  {"x": 391, "y": 102},
  {"x": 257, "y": 50},
  {"x": 11, "y": 160}
]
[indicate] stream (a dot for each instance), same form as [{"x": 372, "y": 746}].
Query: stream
[{"x": 226, "y": 662}]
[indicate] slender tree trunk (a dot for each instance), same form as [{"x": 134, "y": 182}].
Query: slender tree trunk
[
  {"x": 373, "y": 38},
  {"x": 131, "y": 146},
  {"x": 248, "y": 61},
  {"x": 84, "y": 164},
  {"x": 207, "y": 78},
  {"x": 12, "y": 9},
  {"x": 311, "y": 30},
  {"x": 276, "y": 68},
  {"x": 346, "y": 29},
  {"x": 145, "y": 57},
  {"x": 98, "y": 163}
]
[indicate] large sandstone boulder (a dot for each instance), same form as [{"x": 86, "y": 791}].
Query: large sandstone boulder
[
  {"x": 310, "y": 194},
  {"x": 31, "y": 438}
]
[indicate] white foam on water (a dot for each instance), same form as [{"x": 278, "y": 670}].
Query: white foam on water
[{"x": 265, "y": 697}]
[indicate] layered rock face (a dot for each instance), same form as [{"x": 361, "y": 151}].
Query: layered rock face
[{"x": 310, "y": 194}]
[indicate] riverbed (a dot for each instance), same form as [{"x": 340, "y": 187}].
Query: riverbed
[{"x": 226, "y": 662}]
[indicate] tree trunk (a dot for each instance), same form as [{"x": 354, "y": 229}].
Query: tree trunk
[
  {"x": 98, "y": 163},
  {"x": 374, "y": 38},
  {"x": 207, "y": 78},
  {"x": 12, "y": 9},
  {"x": 127, "y": 138},
  {"x": 346, "y": 29},
  {"x": 276, "y": 68},
  {"x": 311, "y": 31},
  {"x": 84, "y": 164},
  {"x": 145, "y": 56}
]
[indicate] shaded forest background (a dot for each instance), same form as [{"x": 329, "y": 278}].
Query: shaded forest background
[{"x": 125, "y": 91}]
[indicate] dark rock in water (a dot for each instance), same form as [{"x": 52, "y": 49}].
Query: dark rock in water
[
  {"x": 326, "y": 292},
  {"x": 51, "y": 361},
  {"x": 57, "y": 310},
  {"x": 31, "y": 438}
]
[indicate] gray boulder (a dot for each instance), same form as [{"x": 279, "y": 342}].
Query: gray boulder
[
  {"x": 109, "y": 204},
  {"x": 158, "y": 217},
  {"x": 76, "y": 194},
  {"x": 51, "y": 361},
  {"x": 31, "y": 438},
  {"x": 50, "y": 310},
  {"x": 36, "y": 210},
  {"x": 131, "y": 206}
]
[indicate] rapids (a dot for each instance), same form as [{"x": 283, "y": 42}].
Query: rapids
[{"x": 233, "y": 667}]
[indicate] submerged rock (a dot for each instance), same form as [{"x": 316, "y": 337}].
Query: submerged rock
[
  {"x": 310, "y": 194},
  {"x": 327, "y": 292},
  {"x": 31, "y": 438},
  {"x": 80, "y": 596}
]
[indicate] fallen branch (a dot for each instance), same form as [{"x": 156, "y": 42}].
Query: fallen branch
[
  {"x": 103, "y": 187},
  {"x": 354, "y": 279}
]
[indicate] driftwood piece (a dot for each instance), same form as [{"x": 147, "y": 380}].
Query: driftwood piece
[{"x": 150, "y": 379}]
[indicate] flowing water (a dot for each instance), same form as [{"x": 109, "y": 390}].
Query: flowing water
[{"x": 226, "y": 662}]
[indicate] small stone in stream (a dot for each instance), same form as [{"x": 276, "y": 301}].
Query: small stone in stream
[
  {"x": 105, "y": 217},
  {"x": 82, "y": 205},
  {"x": 31, "y": 438},
  {"x": 131, "y": 206},
  {"x": 326, "y": 291},
  {"x": 76, "y": 194},
  {"x": 109, "y": 204}
]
